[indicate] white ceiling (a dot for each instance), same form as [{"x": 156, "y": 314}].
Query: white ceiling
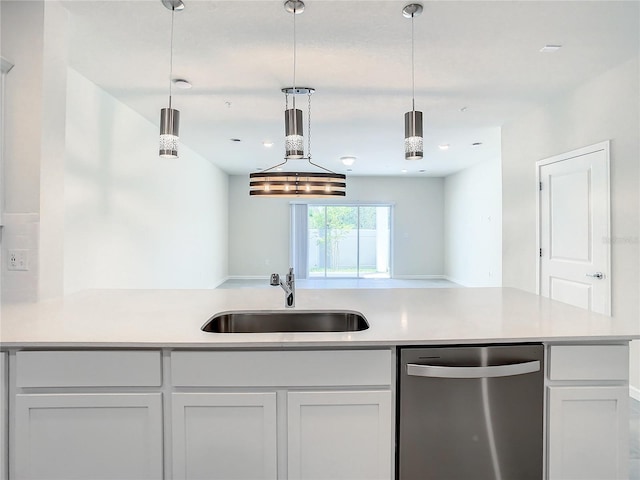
[{"x": 479, "y": 55}]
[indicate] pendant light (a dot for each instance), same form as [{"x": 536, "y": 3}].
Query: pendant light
[
  {"x": 170, "y": 117},
  {"x": 413, "y": 140},
  {"x": 269, "y": 183}
]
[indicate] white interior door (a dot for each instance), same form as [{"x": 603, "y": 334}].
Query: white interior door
[{"x": 573, "y": 223}]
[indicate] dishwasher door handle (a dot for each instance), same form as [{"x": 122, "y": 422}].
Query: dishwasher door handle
[{"x": 438, "y": 371}]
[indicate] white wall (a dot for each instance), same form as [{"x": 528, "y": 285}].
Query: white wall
[
  {"x": 473, "y": 225},
  {"x": 22, "y": 43},
  {"x": 259, "y": 227},
  {"x": 90, "y": 200},
  {"x": 132, "y": 219},
  {"x": 606, "y": 107}
]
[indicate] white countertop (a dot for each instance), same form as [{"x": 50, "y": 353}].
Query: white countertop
[{"x": 172, "y": 318}]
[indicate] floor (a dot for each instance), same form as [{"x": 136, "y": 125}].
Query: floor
[
  {"x": 634, "y": 405},
  {"x": 346, "y": 283}
]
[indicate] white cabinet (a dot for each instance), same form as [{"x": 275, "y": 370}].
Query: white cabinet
[
  {"x": 221, "y": 436},
  {"x": 81, "y": 436},
  {"x": 588, "y": 433},
  {"x": 283, "y": 414},
  {"x": 339, "y": 434},
  {"x": 65, "y": 425},
  {"x": 587, "y": 412}
]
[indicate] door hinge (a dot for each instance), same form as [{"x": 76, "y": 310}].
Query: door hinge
[
  {"x": 540, "y": 252},
  {"x": 540, "y": 186}
]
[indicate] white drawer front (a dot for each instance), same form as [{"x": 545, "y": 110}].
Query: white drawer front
[
  {"x": 589, "y": 362},
  {"x": 281, "y": 368},
  {"x": 88, "y": 369}
]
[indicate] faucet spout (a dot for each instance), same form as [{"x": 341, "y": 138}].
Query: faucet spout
[{"x": 289, "y": 287}]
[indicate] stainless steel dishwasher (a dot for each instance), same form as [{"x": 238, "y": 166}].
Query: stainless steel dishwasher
[{"x": 470, "y": 413}]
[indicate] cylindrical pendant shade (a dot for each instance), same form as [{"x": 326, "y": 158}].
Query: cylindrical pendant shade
[
  {"x": 294, "y": 141},
  {"x": 413, "y": 143},
  {"x": 169, "y": 132}
]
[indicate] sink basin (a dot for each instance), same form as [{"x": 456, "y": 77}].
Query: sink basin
[{"x": 286, "y": 321}]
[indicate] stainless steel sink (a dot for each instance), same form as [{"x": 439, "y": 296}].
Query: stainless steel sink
[{"x": 286, "y": 321}]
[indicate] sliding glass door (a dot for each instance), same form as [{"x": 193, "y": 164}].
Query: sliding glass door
[{"x": 348, "y": 241}]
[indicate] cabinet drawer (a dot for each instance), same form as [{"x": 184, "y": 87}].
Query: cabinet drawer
[
  {"x": 281, "y": 368},
  {"x": 88, "y": 369},
  {"x": 589, "y": 362}
]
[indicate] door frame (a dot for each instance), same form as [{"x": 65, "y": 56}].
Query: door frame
[{"x": 596, "y": 147}]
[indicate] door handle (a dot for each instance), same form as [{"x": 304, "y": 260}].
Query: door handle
[
  {"x": 598, "y": 275},
  {"x": 438, "y": 371}
]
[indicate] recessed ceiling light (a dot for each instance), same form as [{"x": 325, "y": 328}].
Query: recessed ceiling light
[
  {"x": 443, "y": 146},
  {"x": 464, "y": 109},
  {"x": 421, "y": 171},
  {"x": 235, "y": 139},
  {"x": 550, "y": 48},
  {"x": 476, "y": 144},
  {"x": 348, "y": 161},
  {"x": 182, "y": 83},
  {"x": 403, "y": 170},
  {"x": 267, "y": 144}
]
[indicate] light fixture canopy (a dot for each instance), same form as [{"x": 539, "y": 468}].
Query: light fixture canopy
[
  {"x": 173, "y": 4},
  {"x": 413, "y": 136},
  {"x": 170, "y": 117}
]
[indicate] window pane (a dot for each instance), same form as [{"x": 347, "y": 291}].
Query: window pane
[
  {"x": 316, "y": 241},
  {"x": 342, "y": 241}
]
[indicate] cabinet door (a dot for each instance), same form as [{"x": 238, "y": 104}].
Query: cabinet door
[
  {"x": 336, "y": 434},
  {"x": 82, "y": 436},
  {"x": 224, "y": 436},
  {"x": 588, "y": 433}
]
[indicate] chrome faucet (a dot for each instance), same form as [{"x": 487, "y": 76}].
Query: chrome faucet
[{"x": 289, "y": 287}]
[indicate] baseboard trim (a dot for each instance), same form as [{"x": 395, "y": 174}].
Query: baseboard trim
[
  {"x": 419, "y": 277},
  {"x": 454, "y": 280},
  {"x": 634, "y": 393},
  {"x": 247, "y": 277},
  {"x": 218, "y": 283}
]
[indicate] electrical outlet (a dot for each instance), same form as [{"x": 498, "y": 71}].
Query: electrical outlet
[{"x": 18, "y": 260}]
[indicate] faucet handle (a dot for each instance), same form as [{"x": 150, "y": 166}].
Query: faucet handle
[
  {"x": 291, "y": 271},
  {"x": 275, "y": 280}
]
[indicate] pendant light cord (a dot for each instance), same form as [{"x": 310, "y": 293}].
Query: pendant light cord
[
  {"x": 173, "y": 11},
  {"x": 413, "y": 74},
  {"x": 294, "y": 53}
]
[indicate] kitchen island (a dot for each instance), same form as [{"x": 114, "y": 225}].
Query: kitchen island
[{"x": 125, "y": 379}]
